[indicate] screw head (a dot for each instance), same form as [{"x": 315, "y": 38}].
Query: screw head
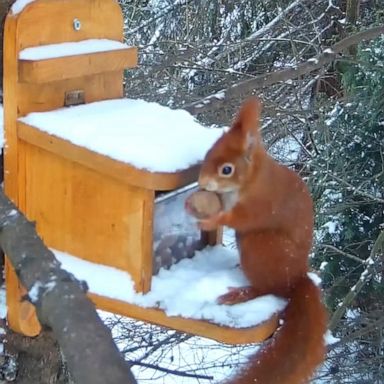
[{"x": 76, "y": 24}]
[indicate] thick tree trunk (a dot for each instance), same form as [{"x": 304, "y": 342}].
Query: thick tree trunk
[
  {"x": 352, "y": 15},
  {"x": 38, "y": 359},
  {"x": 61, "y": 303},
  {"x": 352, "y": 11}
]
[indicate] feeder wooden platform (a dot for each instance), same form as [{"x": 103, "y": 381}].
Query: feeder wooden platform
[{"x": 84, "y": 202}]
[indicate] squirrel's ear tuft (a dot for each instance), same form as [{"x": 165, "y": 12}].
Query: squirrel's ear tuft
[{"x": 248, "y": 121}]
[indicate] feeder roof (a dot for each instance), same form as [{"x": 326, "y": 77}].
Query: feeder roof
[{"x": 143, "y": 134}]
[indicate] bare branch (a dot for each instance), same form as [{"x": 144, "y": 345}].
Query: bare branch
[
  {"x": 340, "y": 252},
  {"x": 161, "y": 14},
  {"x": 377, "y": 253},
  {"x": 356, "y": 190},
  {"x": 256, "y": 35},
  {"x": 246, "y": 87},
  {"x": 175, "y": 372}
]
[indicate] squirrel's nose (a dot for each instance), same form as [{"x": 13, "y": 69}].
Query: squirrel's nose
[{"x": 207, "y": 184}]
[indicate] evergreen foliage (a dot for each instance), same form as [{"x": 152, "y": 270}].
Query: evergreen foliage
[{"x": 348, "y": 177}]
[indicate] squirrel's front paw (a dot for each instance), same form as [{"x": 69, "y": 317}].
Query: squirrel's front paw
[
  {"x": 237, "y": 295},
  {"x": 211, "y": 223}
]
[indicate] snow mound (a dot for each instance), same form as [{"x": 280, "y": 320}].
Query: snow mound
[
  {"x": 50, "y": 51},
  {"x": 146, "y": 135},
  {"x": 189, "y": 289}
]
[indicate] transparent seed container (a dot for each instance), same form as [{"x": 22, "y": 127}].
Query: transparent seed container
[{"x": 175, "y": 232}]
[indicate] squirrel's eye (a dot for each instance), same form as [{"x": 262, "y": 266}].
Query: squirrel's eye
[{"x": 226, "y": 170}]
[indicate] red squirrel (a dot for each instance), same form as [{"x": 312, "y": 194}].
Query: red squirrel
[{"x": 271, "y": 210}]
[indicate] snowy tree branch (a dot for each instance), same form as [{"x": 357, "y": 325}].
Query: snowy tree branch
[
  {"x": 377, "y": 253},
  {"x": 356, "y": 190},
  {"x": 354, "y": 335},
  {"x": 246, "y": 87},
  {"x": 159, "y": 15},
  {"x": 340, "y": 252},
  {"x": 61, "y": 303},
  {"x": 254, "y": 36}
]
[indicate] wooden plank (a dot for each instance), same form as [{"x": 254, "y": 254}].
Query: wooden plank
[
  {"x": 63, "y": 68},
  {"x": 197, "y": 327},
  {"x": 84, "y": 213},
  {"x": 34, "y": 97},
  {"x": 10, "y": 110},
  {"x": 105, "y": 165},
  {"x": 147, "y": 239},
  {"x": 100, "y": 19},
  {"x": 48, "y": 22},
  {"x": 21, "y": 314}
]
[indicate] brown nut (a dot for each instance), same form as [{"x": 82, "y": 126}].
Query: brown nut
[{"x": 202, "y": 204}]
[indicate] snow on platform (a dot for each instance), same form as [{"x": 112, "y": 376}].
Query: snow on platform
[
  {"x": 83, "y": 47},
  {"x": 143, "y": 134},
  {"x": 189, "y": 289}
]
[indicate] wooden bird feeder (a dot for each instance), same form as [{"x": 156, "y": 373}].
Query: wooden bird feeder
[{"x": 83, "y": 202}]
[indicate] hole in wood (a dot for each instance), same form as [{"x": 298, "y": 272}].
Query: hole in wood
[{"x": 75, "y": 97}]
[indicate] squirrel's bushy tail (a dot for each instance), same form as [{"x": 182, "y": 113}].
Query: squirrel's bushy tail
[{"x": 297, "y": 348}]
